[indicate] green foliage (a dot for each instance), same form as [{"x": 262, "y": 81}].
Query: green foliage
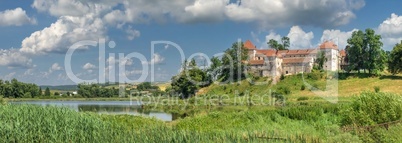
[
  {"x": 233, "y": 66},
  {"x": 95, "y": 90},
  {"x": 321, "y": 59},
  {"x": 147, "y": 86},
  {"x": 16, "y": 89},
  {"x": 302, "y": 98},
  {"x": 376, "y": 89},
  {"x": 395, "y": 59},
  {"x": 282, "y": 77},
  {"x": 275, "y": 44},
  {"x": 372, "y": 108},
  {"x": 187, "y": 82},
  {"x": 302, "y": 87},
  {"x": 364, "y": 52},
  {"x": 47, "y": 91}
]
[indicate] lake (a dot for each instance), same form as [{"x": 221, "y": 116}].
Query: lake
[{"x": 104, "y": 107}]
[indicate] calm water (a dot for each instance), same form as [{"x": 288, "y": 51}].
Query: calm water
[{"x": 104, "y": 107}]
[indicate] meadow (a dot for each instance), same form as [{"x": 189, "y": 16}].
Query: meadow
[
  {"x": 369, "y": 109},
  {"x": 291, "y": 123}
]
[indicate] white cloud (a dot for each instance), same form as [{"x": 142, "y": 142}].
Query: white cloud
[
  {"x": 132, "y": 33},
  {"x": 339, "y": 37},
  {"x": 13, "y": 58},
  {"x": 391, "y": 31},
  {"x": 205, "y": 11},
  {"x": 75, "y": 8},
  {"x": 277, "y": 13},
  {"x": 56, "y": 67},
  {"x": 157, "y": 59},
  {"x": 299, "y": 38},
  {"x": 88, "y": 66},
  {"x": 16, "y": 17},
  {"x": 9, "y": 76},
  {"x": 62, "y": 34}
]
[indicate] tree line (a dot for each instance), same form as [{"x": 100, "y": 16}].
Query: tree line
[
  {"x": 17, "y": 89},
  {"x": 364, "y": 52}
]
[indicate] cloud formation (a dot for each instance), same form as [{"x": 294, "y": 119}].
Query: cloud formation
[{"x": 15, "y": 17}]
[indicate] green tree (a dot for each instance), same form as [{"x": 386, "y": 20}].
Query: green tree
[
  {"x": 321, "y": 59},
  {"x": 233, "y": 62},
  {"x": 40, "y": 91},
  {"x": 375, "y": 55},
  {"x": 285, "y": 43},
  {"x": 47, "y": 91},
  {"x": 364, "y": 52},
  {"x": 188, "y": 81},
  {"x": 395, "y": 59},
  {"x": 274, "y": 44},
  {"x": 277, "y": 46},
  {"x": 355, "y": 51},
  {"x": 215, "y": 69}
]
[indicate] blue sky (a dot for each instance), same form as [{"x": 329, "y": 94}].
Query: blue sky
[{"x": 35, "y": 35}]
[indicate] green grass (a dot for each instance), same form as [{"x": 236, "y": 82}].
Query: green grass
[
  {"x": 314, "y": 122},
  {"x": 30, "y": 123}
]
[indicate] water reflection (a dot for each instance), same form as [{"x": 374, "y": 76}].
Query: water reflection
[{"x": 105, "y": 107}]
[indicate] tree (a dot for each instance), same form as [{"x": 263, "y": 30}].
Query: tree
[
  {"x": 365, "y": 52},
  {"x": 275, "y": 44},
  {"x": 40, "y": 91},
  {"x": 188, "y": 81},
  {"x": 215, "y": 69},
  {"x": 375, "y": 55},
  {"x": 355, "y": 51},
  {"x": 233, "y": 62},
  {"x": 285, "y": 43},
  {"x": 56, "y": 94},
  {"x": 395, "y": 59},
  {"x": 321, "y": 59},
  {"x": 47, "y": 91}
]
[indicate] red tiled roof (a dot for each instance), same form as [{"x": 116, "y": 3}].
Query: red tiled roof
[
  {"x": 268, "y": 53},
  {"x": 248, "y": 45},
  {"x": 256, "y": 62},
  {"x": 295, "y": 60},
  {"x": 329, "y": 45},
  {"x": 297, "y": 52},
  {"x": 342, "y": 53}
]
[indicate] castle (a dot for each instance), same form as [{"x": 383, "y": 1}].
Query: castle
[{"x": 274, "y": 63}]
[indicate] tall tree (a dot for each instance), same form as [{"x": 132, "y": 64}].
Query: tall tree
[
  {"x": 40, "y": 91},
  {"x": 375, "y": 55},
  {"x": 275, "y": 44},
  {"x": 321, "y": 59},
  {"x": 233, "y": 62},
  {"x": 47, "y": 91},
  {"x": 395, "y": 59},
  {"x": 215, "y": 69},
  {"x": 355, "y": 51},
  {"x": 285, "y": 42},
  {"x": 365, "y": 52},
  {"x": 188, "y": 81}
]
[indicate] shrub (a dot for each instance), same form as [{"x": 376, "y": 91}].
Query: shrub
[
  {"x": 372, "y": 108},
  {"x": 376, "y": 89},
  {"x": 302, "y": 98},
  {"x": 303, "y": 87},
  {"x": 282, "y": 77}
]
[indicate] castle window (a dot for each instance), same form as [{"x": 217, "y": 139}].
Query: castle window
[{"x": 287, "y": 72}]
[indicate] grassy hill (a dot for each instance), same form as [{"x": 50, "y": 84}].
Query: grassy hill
[{"x": 293, "y": 86}]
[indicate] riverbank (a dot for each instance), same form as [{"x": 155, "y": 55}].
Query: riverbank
[{"x": 322, "y": 122}]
